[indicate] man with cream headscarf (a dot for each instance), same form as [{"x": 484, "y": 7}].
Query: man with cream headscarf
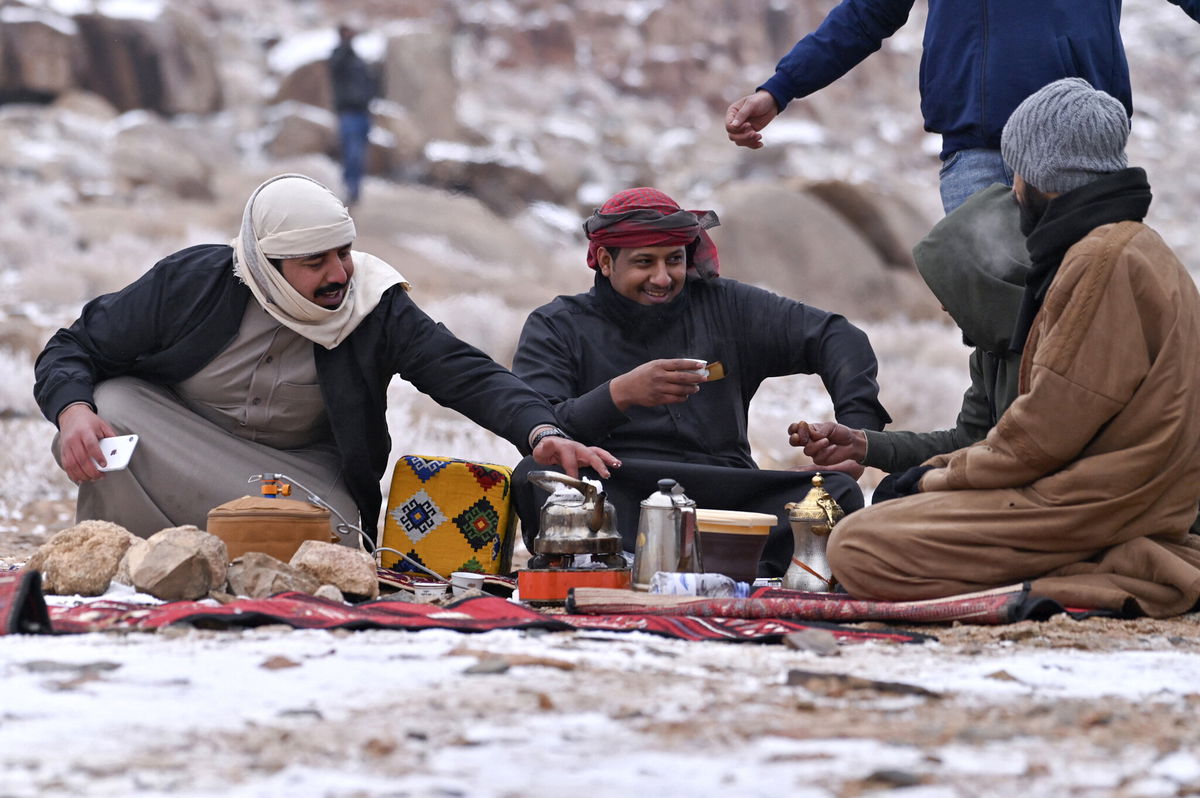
[
  {"x": 273, "y": 354},
  {"x": 619, "y": 365}
]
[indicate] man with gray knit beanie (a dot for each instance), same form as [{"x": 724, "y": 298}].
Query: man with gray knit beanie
[{"x": 1085, "y": 488}]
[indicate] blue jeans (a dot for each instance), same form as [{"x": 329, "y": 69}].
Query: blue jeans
[
  {"x": 353, "y": 127},
  {"x": 968, "y": 171}
]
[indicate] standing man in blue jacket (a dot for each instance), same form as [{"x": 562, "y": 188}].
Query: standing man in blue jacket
[{"x": 980, "y": 61}]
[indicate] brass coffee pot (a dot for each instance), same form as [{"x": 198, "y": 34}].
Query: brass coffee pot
[{"x": 812, "y": 520}]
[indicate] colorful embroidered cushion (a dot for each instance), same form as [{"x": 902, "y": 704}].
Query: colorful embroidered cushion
[{"x": 449, "y": 515}]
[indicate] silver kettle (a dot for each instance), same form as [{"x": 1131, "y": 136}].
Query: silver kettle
[
  {"x": 667, "y": 539},
  {"x": 577, "y": 518}
]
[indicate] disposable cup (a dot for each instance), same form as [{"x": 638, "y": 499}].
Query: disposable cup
[
  {"x": 425, "y": 592},
  {"x": 462, "y": 581}
]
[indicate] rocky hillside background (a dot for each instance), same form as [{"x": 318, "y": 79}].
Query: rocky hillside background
[{"x": 130, "y": 128}]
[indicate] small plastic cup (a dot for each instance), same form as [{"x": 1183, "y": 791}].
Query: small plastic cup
[
  {"x": 462, "y": 581},
  {"x": 425, "y": 592}
]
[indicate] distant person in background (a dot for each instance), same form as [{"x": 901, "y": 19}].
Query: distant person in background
[
  {"x": 353, "y": 89},
  {"x": 617, "y": 364},
  {"x": 980, "y": 61},
  {"x": 1088, "y": 483},
  {"x": 975, "y": 261},
  {"x": 271, "y": 353}
]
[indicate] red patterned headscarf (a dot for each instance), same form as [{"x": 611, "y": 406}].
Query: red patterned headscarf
[{"x": 646, "y": 217}]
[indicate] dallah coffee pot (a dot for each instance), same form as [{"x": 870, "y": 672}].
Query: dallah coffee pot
[
  {"x": 812, "y": 520},
  {"x": 666, "y": 538}
]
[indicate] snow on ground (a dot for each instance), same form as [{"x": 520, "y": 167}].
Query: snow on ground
[{"x": 1065, "y": 707}]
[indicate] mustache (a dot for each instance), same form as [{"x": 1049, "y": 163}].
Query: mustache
[{"x": 329, "y": 289}]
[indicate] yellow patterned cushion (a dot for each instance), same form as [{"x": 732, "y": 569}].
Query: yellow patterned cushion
[{"x": 449, "y": 515}]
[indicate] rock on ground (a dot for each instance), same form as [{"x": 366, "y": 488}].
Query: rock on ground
[{"x": 83, "y": 558}]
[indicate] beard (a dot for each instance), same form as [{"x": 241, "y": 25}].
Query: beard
[{"x": 1033, "y": 207}]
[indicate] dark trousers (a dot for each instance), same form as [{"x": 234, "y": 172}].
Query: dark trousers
[{"x": 711, "y": 487}]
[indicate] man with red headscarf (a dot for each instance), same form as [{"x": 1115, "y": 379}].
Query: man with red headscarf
[{"x": 619, "y": 364}]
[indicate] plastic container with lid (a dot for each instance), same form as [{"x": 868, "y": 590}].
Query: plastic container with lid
[{"x": 732, "y": 541}]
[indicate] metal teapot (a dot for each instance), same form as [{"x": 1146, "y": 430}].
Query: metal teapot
[
  {"x": 667, "y": 539},
  {"x": 577, "y": 517},
  {"x": 812, "y": 520}
]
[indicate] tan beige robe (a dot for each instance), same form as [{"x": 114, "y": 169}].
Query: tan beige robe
[{"x": 1090, "y": 480}]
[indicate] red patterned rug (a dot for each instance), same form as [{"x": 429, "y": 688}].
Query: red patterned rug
[
  {"x": 475, "y": 614},
  {"x": 24, "y": 611},
  {"x": 998, "y": 606}
]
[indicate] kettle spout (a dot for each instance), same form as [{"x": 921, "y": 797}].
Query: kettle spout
[{"x": 595, "y": 518}]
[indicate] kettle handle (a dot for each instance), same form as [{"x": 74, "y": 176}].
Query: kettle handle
[{"x": 547, "y": 480}]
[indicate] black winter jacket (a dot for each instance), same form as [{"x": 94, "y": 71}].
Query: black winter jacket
[
  {"x": 571, "y": 348},
  {"x": 351, "y": 78},
  {"x": 167, "y": 325}
]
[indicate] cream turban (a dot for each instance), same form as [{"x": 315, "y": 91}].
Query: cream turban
[{"x": 293, "y": 216}]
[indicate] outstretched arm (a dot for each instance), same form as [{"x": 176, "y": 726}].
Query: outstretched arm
[
  {"x": 832, "y": 446},
  {"x": 746, "y": 117},
  {"x": 572, "y": 455},
  {"x": 789, "y": 337},
  {"x": 852, "y": 31}
]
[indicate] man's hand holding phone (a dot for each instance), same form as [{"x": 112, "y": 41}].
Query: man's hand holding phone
[
  {"x": 80, "y": 431},
  {"x": 117, "y": 451}
]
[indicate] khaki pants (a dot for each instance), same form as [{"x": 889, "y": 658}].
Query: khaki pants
[
  {"x": 184, "y": 465},
  {"x": 950, "y": 542}
]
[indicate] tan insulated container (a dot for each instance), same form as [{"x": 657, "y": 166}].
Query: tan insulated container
[{"x": 272, "y": 526}]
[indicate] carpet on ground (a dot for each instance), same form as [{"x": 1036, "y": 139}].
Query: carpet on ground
[
  {"x": 999, "y": 606},
  {"x": 478, "y": 613}
]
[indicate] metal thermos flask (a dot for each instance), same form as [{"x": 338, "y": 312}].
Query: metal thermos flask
[{"x": 666, "y": 538}]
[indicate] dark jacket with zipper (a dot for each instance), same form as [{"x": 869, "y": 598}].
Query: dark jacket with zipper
[
  {"x": 572, "y": 348},
  {"x": 167, "y": 325},
  {"x": 981, "y": 57}
]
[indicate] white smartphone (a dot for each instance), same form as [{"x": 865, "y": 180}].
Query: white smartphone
[{"x": 117, "y": 451}]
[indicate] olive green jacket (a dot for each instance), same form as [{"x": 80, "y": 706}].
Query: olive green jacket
[{"x": 974, "y": 261}]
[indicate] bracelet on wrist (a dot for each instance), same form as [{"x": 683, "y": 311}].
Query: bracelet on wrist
[{"x": 546, "y": 432}]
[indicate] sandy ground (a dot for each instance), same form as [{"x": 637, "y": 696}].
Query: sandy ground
[{"x": 1060, "y": 708}]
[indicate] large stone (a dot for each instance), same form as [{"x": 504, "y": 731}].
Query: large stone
[
  {"x": 148, "y": 151},
  {"x": 295, "y": 129},
  {"x": 259, "y": 575},
  {"x": 82, "y": 559},
  {"x": 349, "y": 570},
  {"x": 309, "y": 84},
  {"x": 180, "y": 564},
  {"x": 418, "y": 73},
  {"x": 890, "y": 225},
  {"x": 86, "y": 104},
  {"x": 166, "y": 64},
  {"x": 504, "y": 184},
  {"x": 793, "y": 243},
  {"x": 133, "y": 557},
  {"x": 38, "y": 55}
]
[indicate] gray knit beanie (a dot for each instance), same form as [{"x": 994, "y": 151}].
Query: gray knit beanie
[{"x": 1066, "y": 135}]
